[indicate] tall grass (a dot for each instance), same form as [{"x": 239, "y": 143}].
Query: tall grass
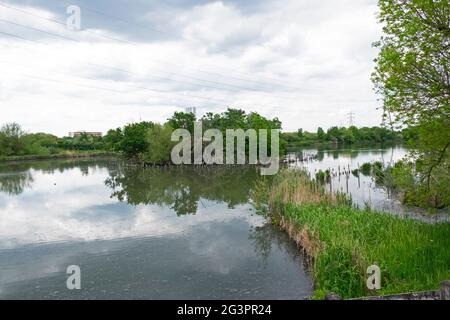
[
  {"x": 343, "y": 241},
  {"x": 293, "y": 186}
]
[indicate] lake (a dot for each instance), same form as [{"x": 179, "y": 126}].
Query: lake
[
  {"x": 158, "y": 233},
  {"x": 161, "y": 233},
  {"x": 363, "y": 189}
]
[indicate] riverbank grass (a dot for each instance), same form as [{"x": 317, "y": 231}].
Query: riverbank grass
[
  {"x": 412, "y": 256},
  {"x": 342, "y": 241}
]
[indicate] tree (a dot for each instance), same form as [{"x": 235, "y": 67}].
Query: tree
[
  {"x": 113, "y": 138},
  {"x": 159, "y": 144},
  {"x": 334, "y": 134},
  {"x": 212, "y": 121},
  {"x": 10, "y": 139},
  {"x": 39, "y": 144},
  {"x": 182, "y": 120},
  {"x": 347, "y": 136},
  {"x": 234, "y": 119},
  {"x": 134, "y": 142},
  {"x": 413, "y": 66},
  {"x": 320, "y": 134},
  {"x": 413, "y": 75}
]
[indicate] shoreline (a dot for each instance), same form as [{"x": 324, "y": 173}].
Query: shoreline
[
  {"x": 59, "y": 156},
  {"x": 340, "y": 241}
]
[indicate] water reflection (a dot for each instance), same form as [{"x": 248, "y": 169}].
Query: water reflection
[
  {"x": 266, "y": 236},
  {"x": 17, "y": 177},
  {"x": 183, "y": 189},
  {"x": 364, "y": 189},
  {"x": 157, "y": 233},
  {"x": 16, "y": 183},
  {"x": 209, "y": 262}
]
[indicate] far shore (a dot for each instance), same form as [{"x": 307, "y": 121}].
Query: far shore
[{"x": 68, "y": 155}]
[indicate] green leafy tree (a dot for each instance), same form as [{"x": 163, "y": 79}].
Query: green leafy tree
[
  {"x": 234, "y": 119},
  {"x": 212, "y": 120},
  {"x": 413, "y": 66},
  {"x": 347, "y": 136},
  {"x": 320, "y": 134},
  {"x": 334, "y": 134},
  {"x": 159, "y": 144},
  {"x": 10, "y": 139},
  {"x": 182, "y": 120},
  {"x": 39, "y": 144},
  {"x": 413, "y": 75},
  {"x": 134, "y": 142},
  {"x": 112, "y": 139}
]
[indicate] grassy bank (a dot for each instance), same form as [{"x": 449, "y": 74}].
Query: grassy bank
[
  {"x": 63, "y": 155},
  {"x": 342, "y": 241}
]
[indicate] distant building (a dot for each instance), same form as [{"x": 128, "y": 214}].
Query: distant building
[
  {"x": 191, "y": 110},
  {"x": 79, "y": 133}
]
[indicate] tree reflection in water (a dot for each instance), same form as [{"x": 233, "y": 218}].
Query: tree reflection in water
[
  {"x": 183, "y": 188},
  {"x": 268, "y": 235},
  {"x": 15, "y": 178},
  {"x": 16, "y": 183}
]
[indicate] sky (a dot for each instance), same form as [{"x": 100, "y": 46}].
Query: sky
[{"x": 306, "y": 62}]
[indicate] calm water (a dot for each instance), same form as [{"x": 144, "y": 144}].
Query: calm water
[
  {"x": 363, "y": 189},
  {"x": 160, "y": 233},
  {"x": 179, "y": 233}
]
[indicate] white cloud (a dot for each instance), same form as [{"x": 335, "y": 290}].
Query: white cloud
[
  {"x": 306, "y": 62},
  {"x": 65, "y": 214}
]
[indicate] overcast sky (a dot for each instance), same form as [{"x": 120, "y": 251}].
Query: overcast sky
[{"x": 306, "y": 62}]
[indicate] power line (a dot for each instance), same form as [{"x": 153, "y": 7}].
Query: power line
[
  {"x": 94, "y": 79},
  {"x": 118, "y": 18},
  {"x": 117, "y": 69},
  {"x": 186, "y": 82},
  {"x": 199, "y": 70},
  {"x": 61, "y": 23},
  {"x": 16, "y": 36},
  {"x": 38, "y": 30},
  {"x": 137, "y": 87},
  {"x": 163, "y": 72},
  {"x": 129, "y": 85},
  {"x": 129, "y": 72},
  {"x": 133, "y": 43},
  {"x": 169, "y": 79},
  {"x": 122, "y": 70},
  {"x": 64, "y": 82}
]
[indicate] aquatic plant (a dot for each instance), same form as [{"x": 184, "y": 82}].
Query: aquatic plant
[
  {"x": 323, "y": 176},
  {"x": 366, "y": 168},
  {"x": 342, "y": 241}
]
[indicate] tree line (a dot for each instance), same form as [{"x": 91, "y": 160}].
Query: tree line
[
  {"x": 150, "y": 142},
  {"x": 14, "y": 141},
  {"x": 146, "y": 142},
  {"x": 343, "y": 135}
]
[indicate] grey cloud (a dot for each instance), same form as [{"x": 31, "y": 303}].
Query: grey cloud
[{"x": 281, "y": 58}]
